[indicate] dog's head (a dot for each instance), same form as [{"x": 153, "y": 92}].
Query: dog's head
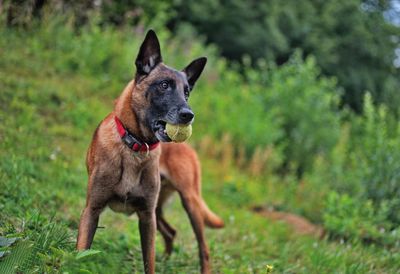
[{"x": 162, "y": 92}]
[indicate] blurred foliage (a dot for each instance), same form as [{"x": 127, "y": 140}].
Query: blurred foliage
[
  {"x": 351, "y": 40},
  {"x": 287, "y": 107}
]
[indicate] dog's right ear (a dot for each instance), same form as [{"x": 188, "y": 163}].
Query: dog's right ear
[{"x": 149, "y": 54}]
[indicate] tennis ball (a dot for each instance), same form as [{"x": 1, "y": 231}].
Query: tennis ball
[{"x": 179, "y": 133}]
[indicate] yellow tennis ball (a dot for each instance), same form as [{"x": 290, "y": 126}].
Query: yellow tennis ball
[{"x": 179, "y": 133}]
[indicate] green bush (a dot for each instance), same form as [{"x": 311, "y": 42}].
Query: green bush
[
  {"x": 364, "y": 169},
  {"x": 376, "y": 142},
  {"x": 366, "y": 164},
  {"x": 354, "y": 218},
  {"x": 306, "y": 105}
]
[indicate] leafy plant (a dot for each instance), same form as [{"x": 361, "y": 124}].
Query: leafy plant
[{"x": 358, "y": 219}]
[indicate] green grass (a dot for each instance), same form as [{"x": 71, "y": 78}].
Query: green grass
[{"x": 47, "y": 118}]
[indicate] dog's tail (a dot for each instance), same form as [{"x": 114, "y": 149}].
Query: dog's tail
[{"x": 210, "y": 218}]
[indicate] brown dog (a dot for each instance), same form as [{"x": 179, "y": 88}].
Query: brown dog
[{"x": 124, "y": 162}]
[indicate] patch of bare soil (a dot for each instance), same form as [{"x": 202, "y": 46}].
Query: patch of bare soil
[{"x": 299, "y": 224}]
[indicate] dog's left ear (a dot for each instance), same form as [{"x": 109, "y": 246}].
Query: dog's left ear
[
  {"x": 194, "y": 69},
  {"x": 149, "y": 54}
]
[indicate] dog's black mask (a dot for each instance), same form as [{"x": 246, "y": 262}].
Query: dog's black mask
[{"x": 165, "y": 89}]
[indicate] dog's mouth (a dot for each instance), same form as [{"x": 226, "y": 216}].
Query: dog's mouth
[{"x": 160, "y": 131}]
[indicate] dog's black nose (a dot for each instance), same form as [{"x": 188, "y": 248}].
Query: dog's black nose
[{"x": 185, "y": 115}]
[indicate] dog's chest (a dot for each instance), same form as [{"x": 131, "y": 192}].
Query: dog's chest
[
  {"x": 131, "y": 172},
  {"x": 129, "y": 192}
]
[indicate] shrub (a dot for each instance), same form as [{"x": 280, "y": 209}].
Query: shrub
[
  {"x": 376, "y": 139},
  {"x": 307, "y": 106},
  {"x": 353, "y": 218},
  {"x": 363, "y": 170}
]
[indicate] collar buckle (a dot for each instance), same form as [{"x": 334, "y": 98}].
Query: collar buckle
[{"x": 129, "y": 140}]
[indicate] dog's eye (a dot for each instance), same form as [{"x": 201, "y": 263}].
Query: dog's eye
[{"x": 164, "y": 85}]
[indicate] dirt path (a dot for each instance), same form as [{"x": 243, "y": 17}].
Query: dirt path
[{"x": 300, "y": 225}]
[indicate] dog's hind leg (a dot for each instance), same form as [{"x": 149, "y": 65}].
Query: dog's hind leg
[
  {"x": 192, "y": 204},
  {"x": 168, "y": 233}
]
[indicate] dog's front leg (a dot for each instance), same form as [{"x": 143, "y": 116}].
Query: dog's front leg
[
  {"x": 98, "y": 194},
  {"x": 87, "y": 227},
  {"x": 90, "y": 218},
  {"x": 147, "y": 228},
  {"x": 150, "y": 182}
]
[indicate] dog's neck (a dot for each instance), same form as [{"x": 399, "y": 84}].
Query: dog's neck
[{"x": 125, "y": 111}]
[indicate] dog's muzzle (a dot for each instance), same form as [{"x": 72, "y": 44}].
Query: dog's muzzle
[{"x": 160, "y": 131}]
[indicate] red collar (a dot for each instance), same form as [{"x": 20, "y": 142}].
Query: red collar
[{"x": 131, "y": 141}]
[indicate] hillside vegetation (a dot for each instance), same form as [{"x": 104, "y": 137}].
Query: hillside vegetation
[{"x": 274, "y": 137}]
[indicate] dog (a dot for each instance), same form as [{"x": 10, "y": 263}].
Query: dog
[{"x": 130, "y": 171}]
